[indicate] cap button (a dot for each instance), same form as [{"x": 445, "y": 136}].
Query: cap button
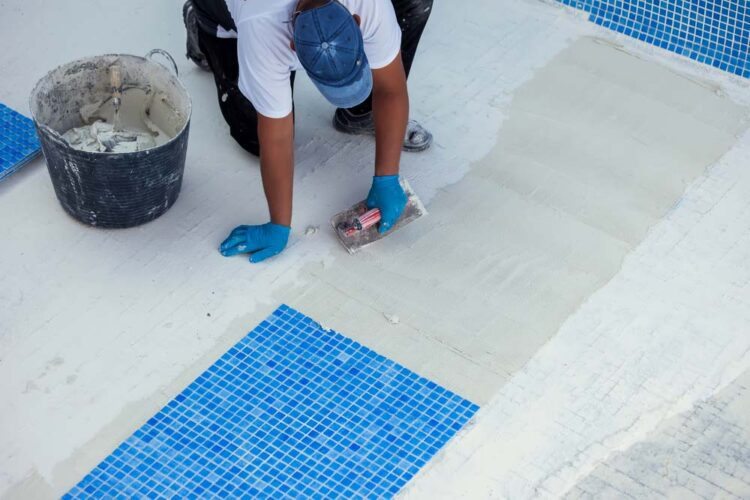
[{"x": 324, "y": 45}]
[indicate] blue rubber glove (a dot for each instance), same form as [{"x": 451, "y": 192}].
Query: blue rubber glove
[
  {"x": 387, "y": 194},
  {"x": 261, "y": 242}
]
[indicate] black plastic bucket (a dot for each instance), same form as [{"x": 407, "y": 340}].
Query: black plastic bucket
[{"x": 105, "y": 189}]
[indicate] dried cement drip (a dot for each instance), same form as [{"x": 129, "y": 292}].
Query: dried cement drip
[
  {"x": 392, "y": 318},
  {"x": 101, "y": 137}
]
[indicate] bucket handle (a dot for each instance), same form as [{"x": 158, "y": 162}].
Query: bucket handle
[{"x": 165, "y": 54}]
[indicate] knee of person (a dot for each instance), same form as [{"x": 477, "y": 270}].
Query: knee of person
[
  {"x": 245, "y": 141},
  {"x": 418, "y": 11}
]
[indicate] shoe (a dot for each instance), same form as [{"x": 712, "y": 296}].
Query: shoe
[
  {"x": 417, "y": 138},
  {"x": 194, "y": 52}
]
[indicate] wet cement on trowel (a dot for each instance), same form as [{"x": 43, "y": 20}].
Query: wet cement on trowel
[{"x": 347, "y": 219}]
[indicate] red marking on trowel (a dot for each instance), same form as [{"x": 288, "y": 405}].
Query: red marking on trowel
[{"x": 363, "y": 222}]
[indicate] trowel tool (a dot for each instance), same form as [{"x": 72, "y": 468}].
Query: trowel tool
[
  {"x": 115, "y": 79},
  {"x": 358, "y": 227}
]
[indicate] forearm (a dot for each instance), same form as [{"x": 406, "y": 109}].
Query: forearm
[
  {"x": 390, "y": 106},
  {"x": 276, "y": 137}
]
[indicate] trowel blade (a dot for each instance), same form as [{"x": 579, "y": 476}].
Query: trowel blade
[{"x": 413, "y": 211}]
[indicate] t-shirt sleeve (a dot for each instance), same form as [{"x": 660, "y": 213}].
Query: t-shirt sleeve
[
  {"x": 381, "y": 32},
  {"x": 264, "y": 67}
]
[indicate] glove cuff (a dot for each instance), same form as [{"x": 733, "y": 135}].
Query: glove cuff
[
  {"x": 279, "y": 226},
  {"x": 384, "y": 179}
]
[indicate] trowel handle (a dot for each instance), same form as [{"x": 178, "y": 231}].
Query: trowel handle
[
  {"x": 369, "y": 219},
  {"x": 363, "y": 222},
  {"x": 115, "y": 77}
]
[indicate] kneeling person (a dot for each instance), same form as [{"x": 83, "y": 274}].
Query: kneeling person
[{"x": 357, "y": 53}]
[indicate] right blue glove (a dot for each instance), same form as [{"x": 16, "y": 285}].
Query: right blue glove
[
  {"x": 387, "y": 195},
  {"x": 261, "y": 242}
]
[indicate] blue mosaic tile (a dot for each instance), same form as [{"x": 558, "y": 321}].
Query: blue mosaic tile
[
  {"x": 292, "y": 410},
  {"x": 714, "y": 32},
  {"x": 18, "y": 141}
]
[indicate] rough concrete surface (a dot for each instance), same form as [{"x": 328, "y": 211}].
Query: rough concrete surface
[
  {"x": 563, "y": 279},
  {"x": 702, "y": 453}
]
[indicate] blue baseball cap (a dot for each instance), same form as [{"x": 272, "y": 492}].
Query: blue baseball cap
[{"x": 329, "y": 46}]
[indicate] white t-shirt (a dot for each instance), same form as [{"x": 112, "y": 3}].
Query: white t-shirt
[{"x": 266, "y": 59}]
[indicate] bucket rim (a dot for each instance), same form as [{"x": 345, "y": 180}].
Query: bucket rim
[{"x": 48, "y": 74}]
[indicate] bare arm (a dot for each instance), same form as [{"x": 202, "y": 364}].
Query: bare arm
[
  {"x": 390, "y": 106},
  {"x": 276, "y": 136}
]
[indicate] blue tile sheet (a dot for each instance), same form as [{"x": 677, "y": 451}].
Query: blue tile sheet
[
  {"x": 18, "y": 141},
  {"x": 714, "y": 32},
  {"x": 292, "y": 410}
]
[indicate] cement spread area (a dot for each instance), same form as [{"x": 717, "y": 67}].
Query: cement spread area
[{"x": 582, "y": 274}]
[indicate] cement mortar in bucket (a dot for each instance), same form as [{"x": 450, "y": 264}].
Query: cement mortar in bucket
[{"x": 114, "y": 187}]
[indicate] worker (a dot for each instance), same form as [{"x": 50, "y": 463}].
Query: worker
[{"x": 358, "y": 54}]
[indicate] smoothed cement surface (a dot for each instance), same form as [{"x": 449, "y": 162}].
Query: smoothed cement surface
[
  {"x": 596, "y": 148},
  {"x": 667, "y": 333},
  {"x": 572, "y": 154}
]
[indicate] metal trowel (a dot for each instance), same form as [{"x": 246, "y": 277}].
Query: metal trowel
[{"x": 358, "y": 227}]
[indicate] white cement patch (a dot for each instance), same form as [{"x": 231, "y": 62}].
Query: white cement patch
[
  {"x": 670, "y": 329},
  {"x": 100, "y": 328},
  {"x": 595, "y": 149},
  {"x": 128, "y": 314}
]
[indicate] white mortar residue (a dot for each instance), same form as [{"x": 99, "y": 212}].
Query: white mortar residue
[
  {"x": 148, "y": 289},
  {"x": 671, "y": 329},
  {"x": 98, "y": 329}
]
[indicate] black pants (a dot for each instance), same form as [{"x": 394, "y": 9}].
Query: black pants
[{"x": 240, "y": 114}]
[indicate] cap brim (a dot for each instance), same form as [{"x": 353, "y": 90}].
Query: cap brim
[{"x": 349, "y": 95}]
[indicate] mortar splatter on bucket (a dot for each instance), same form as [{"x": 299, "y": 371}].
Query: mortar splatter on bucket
[{"x": 110, "y": 189}]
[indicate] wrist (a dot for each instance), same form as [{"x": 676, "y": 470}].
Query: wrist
[
  {"x": 387, "y": 170},
  {"x": 281, "y": 221},
  {"x": 281, "y": 227}
]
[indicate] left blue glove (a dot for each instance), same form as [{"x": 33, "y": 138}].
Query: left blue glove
[
  {"x": 387, "y": 195},
  {"x": 261, "y": 242}
]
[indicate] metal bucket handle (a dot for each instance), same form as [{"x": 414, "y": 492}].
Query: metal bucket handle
[{"x": 165, "y": 54}]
